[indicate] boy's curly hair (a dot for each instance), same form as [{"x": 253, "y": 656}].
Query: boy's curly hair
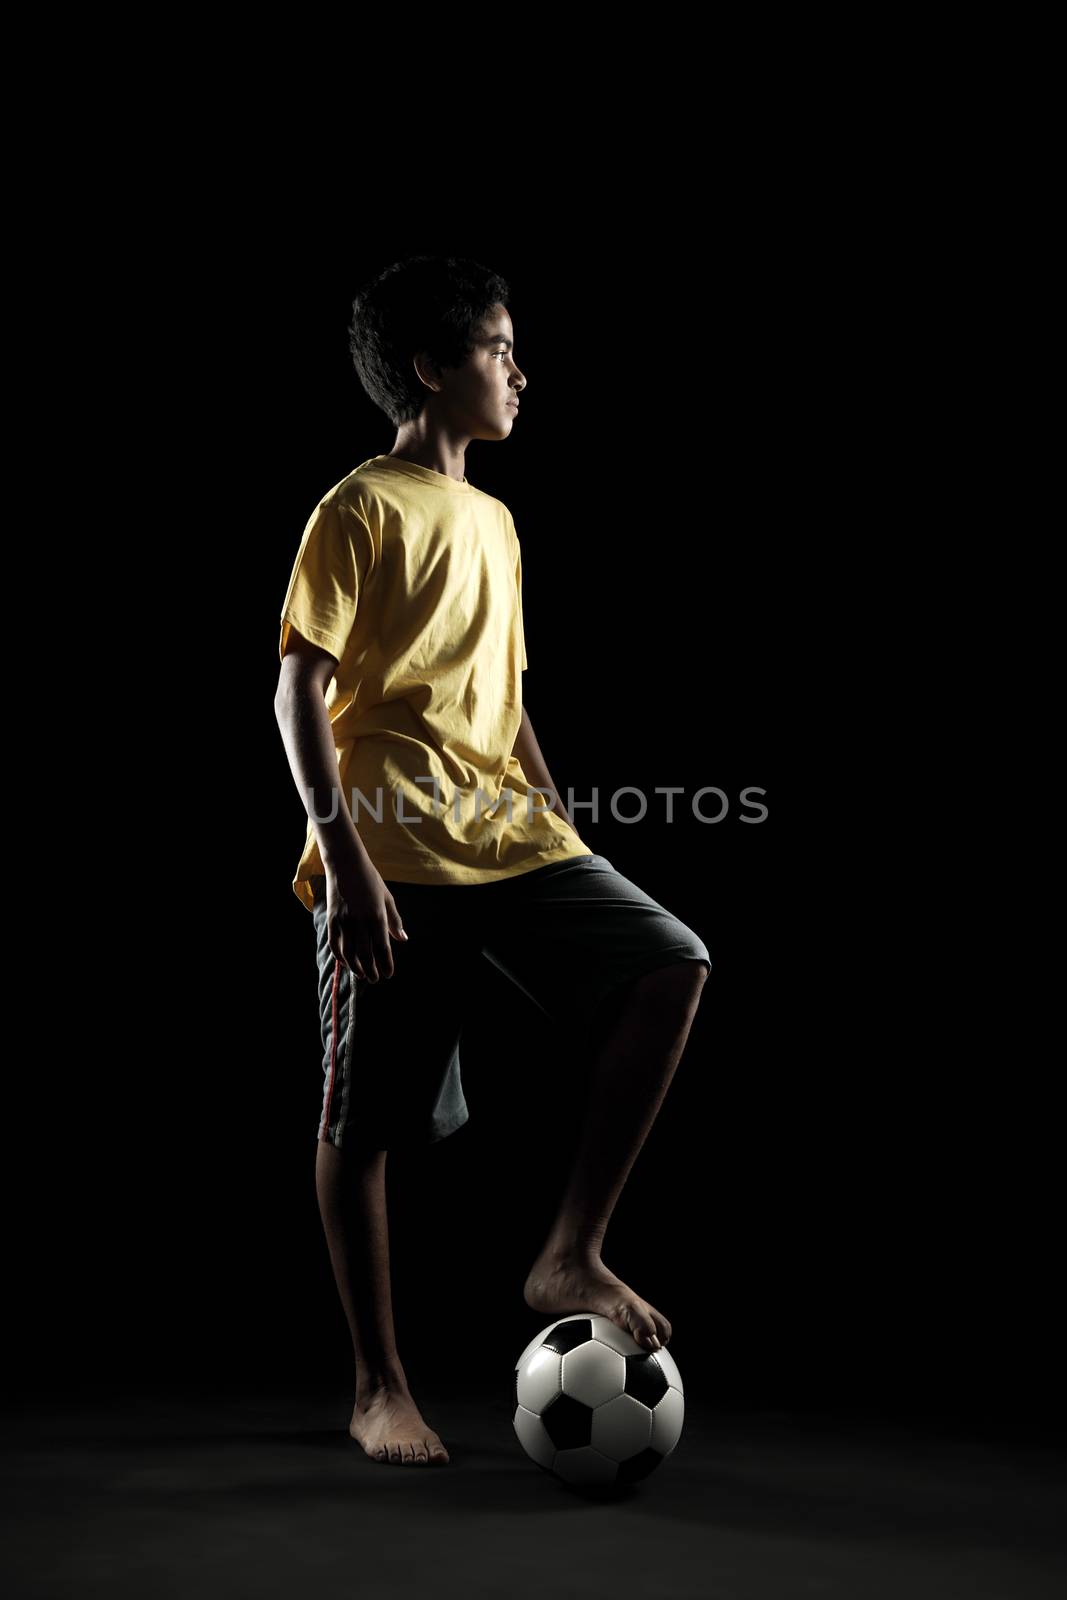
[{"x": 431, "y": 303}]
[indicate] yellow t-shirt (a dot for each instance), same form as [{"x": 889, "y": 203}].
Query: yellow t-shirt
[{"x": 414, "y": 582}]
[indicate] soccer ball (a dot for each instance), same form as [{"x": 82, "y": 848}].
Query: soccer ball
[{"x": 592, "y": 1406}]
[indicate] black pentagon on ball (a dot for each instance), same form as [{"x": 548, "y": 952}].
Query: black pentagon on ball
[
  {"x": 639, "y": 1466},
  {"x": 645, "y": 1379},
  {"x": 568, "y": 1336},
  {"x": 567, "y": 1422}
]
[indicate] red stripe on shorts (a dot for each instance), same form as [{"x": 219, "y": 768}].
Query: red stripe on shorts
[{"x": 333, "y": 1052}]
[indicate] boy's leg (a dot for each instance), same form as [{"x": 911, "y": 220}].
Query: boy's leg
[
  {"x": 350, "y": 1184},
  {"x": 628, "y": 1081}
]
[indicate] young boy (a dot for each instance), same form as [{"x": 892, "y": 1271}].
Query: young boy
[{"x": 430, "y": 840}]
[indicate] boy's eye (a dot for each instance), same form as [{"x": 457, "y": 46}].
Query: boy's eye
[{"x": 500, "y": 352}]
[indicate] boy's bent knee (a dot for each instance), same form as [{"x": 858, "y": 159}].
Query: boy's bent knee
[
  {"x": 695, "y": 968},
  {"x": 686, "y": 976}
]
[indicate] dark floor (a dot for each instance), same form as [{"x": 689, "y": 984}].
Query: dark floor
[{"x": 268, "y": 1497}]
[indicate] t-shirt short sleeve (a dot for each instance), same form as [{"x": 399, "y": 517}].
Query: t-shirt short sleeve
[
  {"x": 335, "y": 556},
  {"x": 518, "y": 591}
]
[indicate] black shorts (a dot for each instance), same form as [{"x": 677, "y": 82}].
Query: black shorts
[{"x": 568, "y": 934}]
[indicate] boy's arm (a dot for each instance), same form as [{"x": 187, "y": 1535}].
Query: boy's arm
[
  {"x": 528, "y": 754},
  {"x": 300, "y": 708}
]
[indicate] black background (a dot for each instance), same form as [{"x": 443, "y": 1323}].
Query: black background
[{"x": 839, "y": 1202}]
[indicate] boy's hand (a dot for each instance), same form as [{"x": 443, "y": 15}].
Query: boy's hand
[{"x": 361, "y": 915}]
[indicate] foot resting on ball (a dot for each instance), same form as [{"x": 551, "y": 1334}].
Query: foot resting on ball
[{"x": 563, "y": 1285}]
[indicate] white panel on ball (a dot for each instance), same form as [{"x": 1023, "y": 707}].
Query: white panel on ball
[
  {"x": 539, "y": 1381},
  {"x": 667, "y": 1421},
  {"x": 533, "y": 1438},
  {"x": 621, "y": 1428},
  {"x": 592, "y": 1374},
  {"x": 614, "y": 1337}
]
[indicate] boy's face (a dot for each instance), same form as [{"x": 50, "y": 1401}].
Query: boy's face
[{"x": 481, "y": 396}]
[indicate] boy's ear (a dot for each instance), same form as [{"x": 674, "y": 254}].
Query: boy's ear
[{"x": 429, "y": 373}]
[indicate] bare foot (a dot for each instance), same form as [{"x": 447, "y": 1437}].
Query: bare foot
[
  {"x": 389, "y": 1426},
  {"x": 569, "y": 1284}
]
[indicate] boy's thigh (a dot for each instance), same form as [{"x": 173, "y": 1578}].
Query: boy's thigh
[
  {"x": 576, "y": 934},
  {"x": 391, "y": 1061}
]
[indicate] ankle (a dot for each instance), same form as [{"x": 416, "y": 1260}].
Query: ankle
[
  {"x": 572, "y": 1250},
  {"x": 388, "y": 1379}
]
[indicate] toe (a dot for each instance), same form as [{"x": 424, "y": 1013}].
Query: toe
[
  {"x": 629, "y": 1322},
  {"x": 645, "y": 1330}
]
